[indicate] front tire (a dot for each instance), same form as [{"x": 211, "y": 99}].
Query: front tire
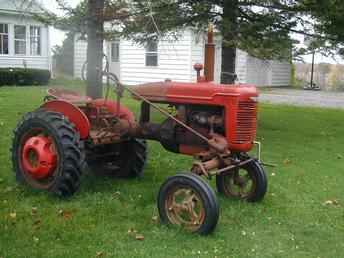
[
  {"x": 46, "y": 153},
  {"x": 248, "y": 182},
  {"x": 188, "y": 201}
]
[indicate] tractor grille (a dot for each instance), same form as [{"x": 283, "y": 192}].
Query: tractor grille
[{"x": 246, "y": 122}]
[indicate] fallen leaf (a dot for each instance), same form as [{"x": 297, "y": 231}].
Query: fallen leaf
[
  {"x": 331, "y": 202},
  {"x": 139, "y": 237},
  {"x": 33, "y": 211},
  {"x": 286, "y": 161},
  {"x": 36, "y": 239},
  {"x": 99, "y": 254},
  {"x": 13, "y": 215},
  {"x": 37, "y": 222},
  {"x": 155, "y": 218},
  {"x": 131, "y": 231},
  {"x": 67, "y": 215},
  {"x": 116, "y": 194}
]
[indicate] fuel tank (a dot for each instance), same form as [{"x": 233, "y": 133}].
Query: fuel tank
[{"x": 195, "y": 93}]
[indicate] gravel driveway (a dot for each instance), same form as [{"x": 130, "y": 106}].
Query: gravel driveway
[{"x": 303, "y": 98}]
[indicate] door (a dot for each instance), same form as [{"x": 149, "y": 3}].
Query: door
[{"x": 114, "y": 53}]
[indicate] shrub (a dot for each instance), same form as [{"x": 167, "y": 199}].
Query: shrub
[{"x": 24, "y": 76}]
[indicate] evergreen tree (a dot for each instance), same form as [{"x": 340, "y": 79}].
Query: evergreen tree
[{"x": 260, "y": 27}]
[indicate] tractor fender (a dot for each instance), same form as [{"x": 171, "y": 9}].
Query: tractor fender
[{"x": 74, "y": 114}]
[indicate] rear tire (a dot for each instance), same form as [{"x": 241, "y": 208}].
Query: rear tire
[
  {"x": 64, "y": 178},
  {"x": 188, "y": 201}
]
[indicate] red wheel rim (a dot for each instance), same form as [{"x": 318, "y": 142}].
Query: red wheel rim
[{"x": 39, "y": 157}]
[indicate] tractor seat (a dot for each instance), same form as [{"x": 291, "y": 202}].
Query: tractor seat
[{"x": 69, "y": 96}]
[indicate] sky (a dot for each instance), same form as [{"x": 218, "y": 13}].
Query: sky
[{"x": 58, "y": 36}]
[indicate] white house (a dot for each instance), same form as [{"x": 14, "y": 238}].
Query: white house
[
  {"x": 24, "y": 42},
  {"x": 135, "y": 64}
]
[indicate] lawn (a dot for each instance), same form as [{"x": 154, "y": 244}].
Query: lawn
[{"x": 301, "y": 216}]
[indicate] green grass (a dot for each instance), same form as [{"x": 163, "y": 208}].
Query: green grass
[{"x": 306, "y": 144}]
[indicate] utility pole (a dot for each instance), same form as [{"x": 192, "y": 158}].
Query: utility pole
[{"x": 312, "y": 72}]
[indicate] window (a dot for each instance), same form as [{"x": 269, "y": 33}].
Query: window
[
  {"x": 115, "y": 52},
  {"x": 19, "y": 40},
  {"x": 3, "y": 39},
  {"x": 152, "y": 53},
  {"x": 35, "y": 41}
]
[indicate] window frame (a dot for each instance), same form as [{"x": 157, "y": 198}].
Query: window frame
[
  {"x": 149, "y": 53},
  {"x": 2, "y": 35},
  {"x": 38, "y": 40},
  {"x": 20, "y": 40},
  {"x": 117, "y": 59}
]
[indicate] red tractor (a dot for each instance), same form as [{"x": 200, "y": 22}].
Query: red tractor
[{"x": 214, "y": 123}]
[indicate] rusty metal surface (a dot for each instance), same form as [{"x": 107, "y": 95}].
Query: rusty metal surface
[
  {"x": 185, "y": 207},
  {"x": 153, "y": 91},
  {"x": 68, "y": 95},
  {"x": 209, "y": 56},
  {"x": 240, "y": 184}
]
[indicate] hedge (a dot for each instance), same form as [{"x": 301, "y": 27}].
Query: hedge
[{"x": 24, "y": 76}]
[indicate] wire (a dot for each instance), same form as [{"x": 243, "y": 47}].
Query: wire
[{"x": 160, "y": 36}]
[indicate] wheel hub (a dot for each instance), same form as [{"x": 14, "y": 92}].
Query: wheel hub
[
  {"x": 185, "y": 208},
  {"x": 38, "y": 157}
]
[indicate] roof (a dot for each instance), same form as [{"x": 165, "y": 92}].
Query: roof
[{"x": 20, "y": 6}]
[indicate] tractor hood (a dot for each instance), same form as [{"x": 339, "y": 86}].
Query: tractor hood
[{"x": 193, "y": 93}]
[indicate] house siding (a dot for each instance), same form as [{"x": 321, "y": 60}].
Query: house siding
[
  {"x": 173, "y": 61},
  {"x": 176, "y": 60},
  {"x": 257, "y": 71},
  {"x": 241, "y": 65},
  {"x": 280, "y": 73},
  {"x": 11, "y": 60},
  {"x": 80, "y": 55},
  {"x": 267, "y": 72},
  {"x": 197, "y": 53}
]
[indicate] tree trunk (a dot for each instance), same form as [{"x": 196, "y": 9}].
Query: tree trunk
[
  {"x": 95, "y": 37},
  {"x": 229, "y": 33}
]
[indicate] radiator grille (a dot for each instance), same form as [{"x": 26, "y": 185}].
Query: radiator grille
[{"x": 246, "y": 122}]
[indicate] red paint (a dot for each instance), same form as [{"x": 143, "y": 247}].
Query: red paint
[
  {"x": 74, "y": 114},
  {"x": 38, "y": 157},
  {"x": 237, "y": 100}
]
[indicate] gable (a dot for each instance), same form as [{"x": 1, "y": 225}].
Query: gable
[{"x": 20, "y": 6}]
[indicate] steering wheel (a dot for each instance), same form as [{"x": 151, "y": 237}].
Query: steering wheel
[{"x": 106, "y": 67}]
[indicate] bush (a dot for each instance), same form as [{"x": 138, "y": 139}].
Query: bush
[{"x": 23, "y": 76}]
